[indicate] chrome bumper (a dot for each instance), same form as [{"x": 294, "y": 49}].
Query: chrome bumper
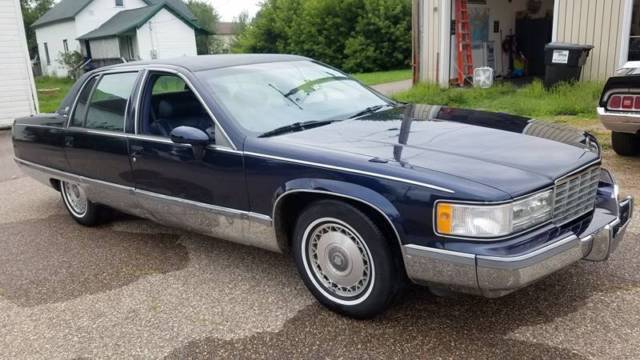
[
  {"x": 619, "y": 122},
  {"x": 495, "y": 276}
]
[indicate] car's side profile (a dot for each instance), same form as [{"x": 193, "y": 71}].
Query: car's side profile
[{"x": 286, "y": 154}]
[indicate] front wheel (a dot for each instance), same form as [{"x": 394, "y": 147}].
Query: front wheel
[
  {"x": 345, "y": 260},
  {"x": 79, "y": 206},
  {"x": 625, "y": 144}
]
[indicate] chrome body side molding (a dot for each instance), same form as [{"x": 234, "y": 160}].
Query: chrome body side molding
[{"x": 234, "y": 225}]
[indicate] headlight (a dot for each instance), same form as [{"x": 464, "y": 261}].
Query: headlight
[{"x": 488, "y": 221}]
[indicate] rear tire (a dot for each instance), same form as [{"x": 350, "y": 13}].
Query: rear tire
[
  {"x": 81, "y": 209},
  {"x": 625, "y": 144},
  {"x": 345, "y": 260}
]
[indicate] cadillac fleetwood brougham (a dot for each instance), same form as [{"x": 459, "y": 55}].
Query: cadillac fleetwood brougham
[{"x": 290, "y": 155}]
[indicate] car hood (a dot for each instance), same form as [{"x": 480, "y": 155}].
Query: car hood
[{"x": 510, "y": 153}]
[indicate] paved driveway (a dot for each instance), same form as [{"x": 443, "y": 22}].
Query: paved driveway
[{"x": 134, "y": 289}]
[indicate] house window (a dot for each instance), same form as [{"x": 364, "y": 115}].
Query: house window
[
  {"x": 634, "y": 35},
  {"x": 65, "y": 45},
  {"x": 46, "y": 53},
  {"x": 120, "y": 3}
]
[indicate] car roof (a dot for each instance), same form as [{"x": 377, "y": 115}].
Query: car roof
[{"x": 208, "y": 62}]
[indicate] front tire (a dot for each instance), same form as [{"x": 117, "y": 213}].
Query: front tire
[
  {"x": 345, "y": 260},
  {"x": 79, "y": 206},
  {"x": 625, "y": 144}
]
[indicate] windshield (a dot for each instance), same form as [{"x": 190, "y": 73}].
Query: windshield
[{"x": 264, "y": 97}]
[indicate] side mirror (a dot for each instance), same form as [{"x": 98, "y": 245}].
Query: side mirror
[{"x": 197, "y": 138}]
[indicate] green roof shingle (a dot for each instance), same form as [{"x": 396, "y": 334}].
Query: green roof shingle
[
  {"x": 64, "y": 10},
  {"x": 123, "y": 22}
]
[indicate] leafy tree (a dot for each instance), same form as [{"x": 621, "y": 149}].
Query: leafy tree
[
  {"x": 356, "y": 35},
  {"x": 32, "y": 10},
  {"x": 390, "y": 47},
  {"x": 207, "y": 18}
]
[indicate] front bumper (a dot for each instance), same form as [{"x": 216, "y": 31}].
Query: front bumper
[{"x": 495, "y": 276}]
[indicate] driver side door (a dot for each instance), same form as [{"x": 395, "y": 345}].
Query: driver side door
[{"x": 206, "y": 194}]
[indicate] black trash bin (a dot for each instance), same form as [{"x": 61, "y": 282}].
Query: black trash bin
[{"x": 564, "y": 62}]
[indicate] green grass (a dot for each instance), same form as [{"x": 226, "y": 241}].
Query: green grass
[
  {"x": 531, "y": 100},
  {"x": 382, "y": 77},
  {"x": 51, "y": 91}
]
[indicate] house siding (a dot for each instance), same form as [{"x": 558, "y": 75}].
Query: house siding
[
  {"x": 54, "y": 35},
  {"x": 593, "y": 22},
  {"x": 17, "y": 91},
  {"x": 429, "y": 30},
  {"x": 165, "y": 36},
  {"x": 108, "y": 48}
]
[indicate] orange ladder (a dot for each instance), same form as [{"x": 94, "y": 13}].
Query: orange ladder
[{"x": 463, "y": 40}]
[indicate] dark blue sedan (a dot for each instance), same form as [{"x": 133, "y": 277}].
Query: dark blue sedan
[{"x": 366, "y": 194}]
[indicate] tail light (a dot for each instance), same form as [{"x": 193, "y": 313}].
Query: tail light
[{"x": 620, "y": 102}]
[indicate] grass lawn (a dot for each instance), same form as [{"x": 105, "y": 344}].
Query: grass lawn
[
  {"x": 573, "y": 105},
  {"x": 382, "y": 77},
  {"x": 51, "y": 91}
]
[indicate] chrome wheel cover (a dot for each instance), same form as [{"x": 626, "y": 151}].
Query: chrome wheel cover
[
  {"x": 339, "y": 258},
  {"x": 75, "y": 198}
]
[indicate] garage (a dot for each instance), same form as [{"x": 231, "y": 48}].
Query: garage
[{"x": 509, "y": 36}]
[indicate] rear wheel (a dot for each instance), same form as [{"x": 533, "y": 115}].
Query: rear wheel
[
  {"x": 79, "y": 206},
  {"x": 345, "y": 260},
  {"x": 625, "y": 144}
]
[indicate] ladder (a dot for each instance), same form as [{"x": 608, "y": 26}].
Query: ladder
[{"x": 463, "y": 40}]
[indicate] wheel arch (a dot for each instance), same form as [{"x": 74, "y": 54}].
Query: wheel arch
[{"x": 294, "y": 197}]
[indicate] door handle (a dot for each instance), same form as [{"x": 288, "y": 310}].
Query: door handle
[
  {"x": 68, "y": 141},
  {"x": 135, "y": 151}
]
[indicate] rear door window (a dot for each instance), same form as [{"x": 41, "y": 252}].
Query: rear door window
[
  {"x": 81, "y": 104},
  {"x": 109, "y": 100}
]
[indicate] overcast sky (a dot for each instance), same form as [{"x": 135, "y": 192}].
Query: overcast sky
[{"x": 228, "y": 9}]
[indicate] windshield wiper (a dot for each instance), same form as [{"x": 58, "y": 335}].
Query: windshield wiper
[
  {"x": 285, "y": 96},
  {"x": 297, "y": 126},
  {"x": 369, "y": 110}
]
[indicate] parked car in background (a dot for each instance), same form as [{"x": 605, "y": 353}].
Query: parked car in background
[
  {"x": 290, "y": 155},
  {"x": 619, "y": 111}
]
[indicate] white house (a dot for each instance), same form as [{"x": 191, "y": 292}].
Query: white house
[
  {"x": 17, "y": 91},
  {"x": 611, "y": 26},
  {"x": 226, "y": 33},
  {"x": 113, "y": 31}
]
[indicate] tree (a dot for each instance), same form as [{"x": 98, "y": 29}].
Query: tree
[
  {"x": 356, "y": 35},
  {"x": 207, "y": 18},
  {"x": 32, "y": 10}
]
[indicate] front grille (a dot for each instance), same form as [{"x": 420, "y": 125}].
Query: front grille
[{"x": 575, "y": 195}]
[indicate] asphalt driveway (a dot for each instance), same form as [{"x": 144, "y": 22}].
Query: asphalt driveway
[{"x": 135, "y": 289}]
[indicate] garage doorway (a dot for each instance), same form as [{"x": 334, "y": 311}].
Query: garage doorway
[{"x": 508, "y": 36}]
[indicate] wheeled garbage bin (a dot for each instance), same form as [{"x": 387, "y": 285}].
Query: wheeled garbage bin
[{"x": 564, "y": 62}]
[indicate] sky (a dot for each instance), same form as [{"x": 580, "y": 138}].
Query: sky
[{"x": 228, "y": 9}]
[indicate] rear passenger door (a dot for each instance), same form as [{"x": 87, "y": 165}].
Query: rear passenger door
[{"x": 95, "y": 143}]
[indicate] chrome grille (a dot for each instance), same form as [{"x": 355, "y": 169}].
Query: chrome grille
[{"x": 575, "y": 195}]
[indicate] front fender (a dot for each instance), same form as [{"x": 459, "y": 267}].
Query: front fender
[{"x": 337, "y": 189}]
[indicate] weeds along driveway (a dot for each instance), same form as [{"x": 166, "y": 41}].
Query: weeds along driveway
[{"x": 135, "y": 289}]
